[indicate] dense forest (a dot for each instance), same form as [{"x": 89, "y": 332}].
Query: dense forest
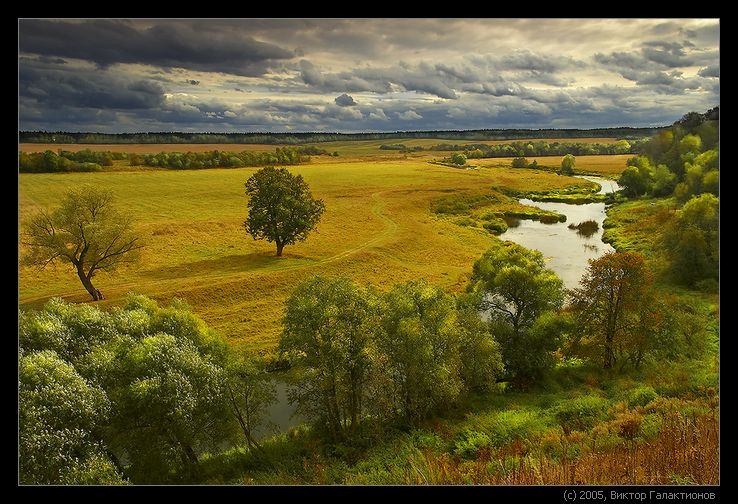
[
  {"x": 529, "y": 148},
  {"x": 63, "y": 137}
]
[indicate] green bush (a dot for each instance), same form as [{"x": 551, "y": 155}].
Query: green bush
[
  {"x": 498, "y": 430},
  {"x": 497, "y": 226},
  {"x": 641, "y": 396},
  {"x": 581, "y": 413},
  {"x": 464, "y": 221},
  {"x": 469, "y": 443}
]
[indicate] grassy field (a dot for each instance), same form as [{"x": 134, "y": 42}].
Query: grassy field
[
  {"x": 378, "y": 228},
  {"x": 608, "y": 165}
]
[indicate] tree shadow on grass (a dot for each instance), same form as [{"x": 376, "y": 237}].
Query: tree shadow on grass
[{"x": 227, "y": 264}]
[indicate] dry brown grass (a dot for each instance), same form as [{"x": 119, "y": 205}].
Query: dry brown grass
[
  {"x": 686, "y": 450},
  {"x": 608, "y": 165}
]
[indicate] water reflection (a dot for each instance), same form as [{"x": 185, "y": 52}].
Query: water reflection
[{"x": 567, "y": 253}]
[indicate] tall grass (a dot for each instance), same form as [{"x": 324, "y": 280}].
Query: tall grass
[{"x": 686, "y": 450}]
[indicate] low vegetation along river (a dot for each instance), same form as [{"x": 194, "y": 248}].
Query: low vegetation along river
[{"x": 566, "y": 251}]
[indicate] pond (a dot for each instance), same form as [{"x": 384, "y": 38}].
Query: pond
[
  {"x": 280, "y": 414},
  {"x": 567, "y": 251}
]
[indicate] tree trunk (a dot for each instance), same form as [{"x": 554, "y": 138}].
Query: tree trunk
[
  {"x": 609, "y": 360},
  {"x": 189, "y": 453},
  {"x": 87, "y": 282},
  {"x": 280, "y": 246}
]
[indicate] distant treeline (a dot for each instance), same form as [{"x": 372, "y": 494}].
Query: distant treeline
[
  {"x": 87, "y": 160},
  {"x": 66, "y": 161},
  {"x": 537, "y": 148},
  {"x": 62, "y": 137},
  {"x": 218, "y": 159}
]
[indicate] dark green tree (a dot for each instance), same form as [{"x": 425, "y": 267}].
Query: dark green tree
[
  {"x": 519, "y": 162},
  {"x": 458, "y": 159},
  {"x": 637, "y": 178},
  {"x": 418, "y": 358},
  {"x": 250, "y": 392},
  {"x": 281, "y": 208},
  {"x": 514, "y": 288},
  {"x": 692, "y": 241},
  {"x": 328, "y": 325}
]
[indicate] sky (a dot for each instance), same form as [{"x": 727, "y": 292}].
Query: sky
[{"x": 351, "y": 75}]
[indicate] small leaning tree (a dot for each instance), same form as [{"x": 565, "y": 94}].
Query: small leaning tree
[
  {"x": 87, "y": 231},
  {"x": 281, "y": 208}
]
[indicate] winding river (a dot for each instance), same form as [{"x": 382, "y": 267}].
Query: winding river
[{"x": 567, "y": 251}]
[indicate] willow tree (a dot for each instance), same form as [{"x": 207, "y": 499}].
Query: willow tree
[
  {"x": 86, "y": 231},
  {"x": 521, "y": 297}
]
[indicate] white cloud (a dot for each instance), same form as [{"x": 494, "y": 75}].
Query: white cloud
[{"x": 409, "y": 115}]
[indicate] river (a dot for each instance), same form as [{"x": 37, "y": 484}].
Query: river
[{"x": 566, "y": 251}]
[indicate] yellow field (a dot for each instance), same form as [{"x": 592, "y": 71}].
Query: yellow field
[
  {"x": 377, "y": 228},
  {"x": 608, "y": 165}
]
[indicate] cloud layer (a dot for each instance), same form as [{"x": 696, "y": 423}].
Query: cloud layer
[{"x": 363, "y": 75}]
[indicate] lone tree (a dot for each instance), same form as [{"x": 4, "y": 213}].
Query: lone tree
[
  {"x": 86, "y": 231},
  {"x": 567, "y": 165},
  {"x": 281, "y": 208}
]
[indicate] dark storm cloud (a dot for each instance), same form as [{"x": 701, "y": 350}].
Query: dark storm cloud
[
  {"x": 92, "y": 89},
  {"x": 165, "y": 43},
  {"x": 405, "y": 74},
  {"x": 710, "y": 71},
  {"x": 345, "y": 100}
]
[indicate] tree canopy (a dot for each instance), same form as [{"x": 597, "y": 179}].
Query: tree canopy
[
  {"x": 567, "y": 165},
  {"x": 281, "y": 208},
  {"x": 136, "y": 393},
  {"x": 612, "y": 305},
  {"x": 329, "y": 323},
  {"x": 513, "y": 286},
  {"x": 692, "y": 241},
  {"x": 87, "y": 231}
]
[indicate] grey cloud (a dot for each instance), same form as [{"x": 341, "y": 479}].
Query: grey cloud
[
  {"x": 92, "y": 89},
  {"x": 631, "y": 61},
  {"x": 671, "y": 58},
  {"x": 345, "y": 100},
  {"x": 710, "y": 71},
  {"x": 527, "y": 60},
  {"x": 379, "y": 80},
  {"x": 473, "y": 67},
  {"x": 166, "y": 43},
  {"x": 193, "y": 82}
]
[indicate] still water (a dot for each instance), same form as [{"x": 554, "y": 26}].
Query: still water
[{"x": 566, "y": 251}]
